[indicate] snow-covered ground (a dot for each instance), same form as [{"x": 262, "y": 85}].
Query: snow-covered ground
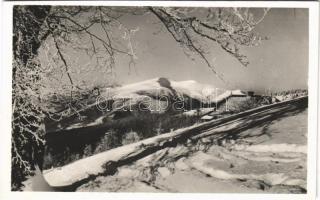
[
  {"x": 269, "y": 158},
  {"x": 264, "y": 151}
]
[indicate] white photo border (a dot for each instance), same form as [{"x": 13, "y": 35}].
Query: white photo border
[{"x": 6, "y": 106}]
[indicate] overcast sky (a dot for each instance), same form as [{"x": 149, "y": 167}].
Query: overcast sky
[{"x": 279, "y": 63}]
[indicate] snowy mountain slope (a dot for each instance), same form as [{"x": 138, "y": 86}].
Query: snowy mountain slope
[
  {"x": 153, "y": 95},
  {"x": 158, "y": 87},
  {"x": 150, "y": 87}
]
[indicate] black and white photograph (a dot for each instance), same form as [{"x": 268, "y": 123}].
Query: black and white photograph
[{"x": 161, "y": 99}]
